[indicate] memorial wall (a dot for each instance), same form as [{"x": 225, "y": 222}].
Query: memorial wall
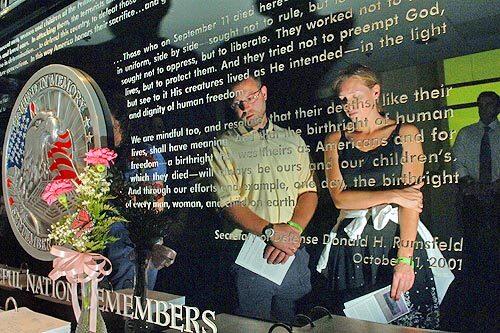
[{"x": 340, "y": 140}]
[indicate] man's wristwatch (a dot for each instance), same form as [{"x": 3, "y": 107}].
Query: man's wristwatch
[{"x": 268, "y": 231}]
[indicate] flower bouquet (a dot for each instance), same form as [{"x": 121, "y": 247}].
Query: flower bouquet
[{"x": 83, "y": 231}]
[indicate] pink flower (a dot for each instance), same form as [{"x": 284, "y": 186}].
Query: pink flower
[
  {"x": 103, "y": 156},
  {"x": 55, "y": 189},
  {"x": 82, "y": 222}
]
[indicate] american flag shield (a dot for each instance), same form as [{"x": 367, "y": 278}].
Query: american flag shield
[
  {"x": 17, "y": 140},
  {"x": 49, "y": 132}
]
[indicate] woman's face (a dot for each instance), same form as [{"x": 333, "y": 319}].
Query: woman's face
[
  {"x": 117, "y": 131},
  {"x": 358, "y": 99}
]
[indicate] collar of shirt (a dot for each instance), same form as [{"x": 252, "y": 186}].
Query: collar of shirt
[
  {"x": 493, "y": 125},
  {"x": 243, "y": 130}
]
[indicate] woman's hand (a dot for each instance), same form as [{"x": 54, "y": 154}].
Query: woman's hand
[
  {"x": 410, "y": 197},
  {"x": 402, "y": 280}
]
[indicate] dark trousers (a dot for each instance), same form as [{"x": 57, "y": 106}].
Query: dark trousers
[
  {"x": 260, "y": 298},
  {"x": 481, "y": 263}
]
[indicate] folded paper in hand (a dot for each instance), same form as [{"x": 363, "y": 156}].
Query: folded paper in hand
[
  {"x": 251, "y": 257},
  {"x": 377, "y": 306}
]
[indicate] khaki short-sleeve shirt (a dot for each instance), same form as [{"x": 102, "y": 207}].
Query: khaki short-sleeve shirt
[{"x": 264, "y": 170}]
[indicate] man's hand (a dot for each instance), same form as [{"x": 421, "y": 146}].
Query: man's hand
[
  {"x": 468, "y": 186},
  {"x": 402, "y": 280},
  {"x": 286, "y": 238},
  {"x": 275, "y": 256},
  {"x": 161, "y": 256},
  {"x": 495, "y": 185}
]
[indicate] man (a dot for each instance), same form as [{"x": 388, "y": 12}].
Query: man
[
  {"x": 265, "y": 186},
  {"x": 476, "y": 148},
  {"x": 477, "y": 153}
]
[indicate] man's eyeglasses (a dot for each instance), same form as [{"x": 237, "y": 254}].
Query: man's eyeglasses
[{"x": 250, "y": 100}]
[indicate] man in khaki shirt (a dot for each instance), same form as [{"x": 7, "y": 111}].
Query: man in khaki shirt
[{"x": 265, "y": 186}]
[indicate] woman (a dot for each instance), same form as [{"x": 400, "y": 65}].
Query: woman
[
  {"x": 357, "y": 181},
  {"x": 122, "y": 252}
]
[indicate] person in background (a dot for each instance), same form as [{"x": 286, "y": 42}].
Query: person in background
[
  {"x": 477, "y": 161},
  {"x": 477, "y": 150},
  {"x": 121, "y": 253}
]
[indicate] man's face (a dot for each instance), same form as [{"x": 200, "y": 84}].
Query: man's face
[
  {"x": 488, "y": 109},
  {"x": 250, "y": 103}
]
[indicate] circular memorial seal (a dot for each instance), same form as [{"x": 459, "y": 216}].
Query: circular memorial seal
[{"x": 58, "y": 116}]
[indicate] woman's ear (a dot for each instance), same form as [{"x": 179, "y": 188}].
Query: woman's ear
[{"x": 376, "y": 91}]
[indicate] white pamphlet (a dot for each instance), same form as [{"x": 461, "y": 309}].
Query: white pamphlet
[
  {"x": 251, "y": 257},
  {"x": 377, "y": 306}
]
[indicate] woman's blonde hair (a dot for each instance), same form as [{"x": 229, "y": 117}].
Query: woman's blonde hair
[{"x": 366, "y": 74}]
